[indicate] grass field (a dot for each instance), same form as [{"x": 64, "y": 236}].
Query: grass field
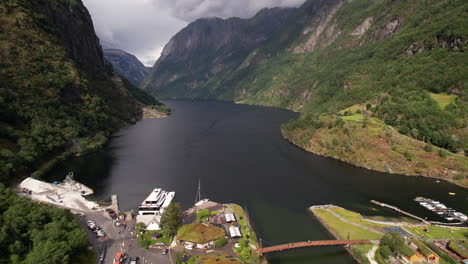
[
  {"x": 342, "y": 229},
  {"x": 437, "y": 232},
  {"x": 443, "y": 99},
  {"x": 460, "y": 246},
  {"x": 199, "y": 233}
]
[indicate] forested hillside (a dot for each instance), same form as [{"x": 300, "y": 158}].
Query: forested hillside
[
  {"x": 379, "y": 83},
  {"x": 57, "y": 92},
  {"x": 57, "y": 96}
]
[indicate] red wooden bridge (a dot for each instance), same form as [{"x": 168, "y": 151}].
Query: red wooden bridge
[{"x": 311, "y": 244}]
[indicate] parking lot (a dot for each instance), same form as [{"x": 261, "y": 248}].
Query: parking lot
[{"x": 119, "y": 239}]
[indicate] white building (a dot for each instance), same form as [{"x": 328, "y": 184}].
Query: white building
[
  {"x": 234, "y": 231},
  {"x": 151, "y": 222}
]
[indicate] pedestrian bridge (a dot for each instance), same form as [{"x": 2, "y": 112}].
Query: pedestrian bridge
[{"x": 319, "y": 243}]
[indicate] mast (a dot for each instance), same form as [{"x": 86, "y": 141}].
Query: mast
[{"x": 198, "y": 195}]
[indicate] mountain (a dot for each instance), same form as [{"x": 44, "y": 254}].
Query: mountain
[
  {"x": 126, "y": 65},
  {"x": 56, "y": 90},
  {"x": 379, "y": 84},
  {"x": 210, "y": 47}
]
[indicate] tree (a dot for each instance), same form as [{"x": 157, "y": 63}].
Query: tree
[
  {"x": 203, "y": 214},
  {"x": 171, "y": 219},
  {"x": 393, "y": 240},
  {"x": 385, "y": 252}
]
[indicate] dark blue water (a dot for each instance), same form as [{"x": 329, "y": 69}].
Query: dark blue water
[{"x": 239, "y": 155}]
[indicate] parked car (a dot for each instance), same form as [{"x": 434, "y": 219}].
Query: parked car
[
  {"x": 102, "y": 256},
  {"x": 112, "y": 213},
  {"x": 164, "y": 251},
  {"x": 118, "y": 258},
  {"x": 134, "y": 260},
  {"x": 189, "y": 247}
]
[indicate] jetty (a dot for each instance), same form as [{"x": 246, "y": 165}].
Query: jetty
[{"x": 401, "y": 211}]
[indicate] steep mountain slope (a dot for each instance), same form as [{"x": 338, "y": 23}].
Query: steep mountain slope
[
  {"x": 56, "y": 90},
  {"x": 367, "y": 77},
  {"x": 210, "y": 47},
  {"x": 126, "y": 65}
]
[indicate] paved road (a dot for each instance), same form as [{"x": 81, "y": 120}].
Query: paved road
[{"x": 371, "y": 255}]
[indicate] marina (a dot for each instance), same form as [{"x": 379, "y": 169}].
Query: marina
[{"x": 443, "y": 211}]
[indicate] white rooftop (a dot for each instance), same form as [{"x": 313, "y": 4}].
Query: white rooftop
[{"x": 234, "y": 231}]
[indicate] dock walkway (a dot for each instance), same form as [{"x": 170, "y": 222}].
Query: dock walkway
[{"x": 401, "y": 211}]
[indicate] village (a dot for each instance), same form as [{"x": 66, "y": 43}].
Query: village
[
  {"x": 211, "y": 232},
  {"x": 160, "y": 232},
  {"x": 401, "y": 240}
]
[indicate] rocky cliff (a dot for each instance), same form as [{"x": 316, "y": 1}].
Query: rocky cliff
[
  {"x": 210, "y": 47},
  {"x": 56, "y": 90},
  {"x": 126, "y": 65},
  {"x": 369, "y": 67}
]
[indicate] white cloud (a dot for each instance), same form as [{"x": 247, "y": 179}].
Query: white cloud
[
  {"x": 143, "y": 27},
  {"x": 190, "y": 10}
]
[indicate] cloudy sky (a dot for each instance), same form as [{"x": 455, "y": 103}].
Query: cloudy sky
[{"x": 143, "y": 27}]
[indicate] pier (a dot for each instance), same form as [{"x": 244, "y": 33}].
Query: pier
[
  {"x": 401, "y": 211},
  {"x": 319, "y": 243}
]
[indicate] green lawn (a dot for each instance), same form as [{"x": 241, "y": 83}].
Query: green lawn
[
  {"x": 443, "y": 99},
  {"x": 437, "y": 232},
  {"x": 460, "y": 246},
  {"x": 355, "y": 217},
  {"x": 353, "y": 108},
  {"x": 342, "y": 229}
]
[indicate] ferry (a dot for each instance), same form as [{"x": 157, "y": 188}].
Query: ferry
[{"x": 156, "y": 202}]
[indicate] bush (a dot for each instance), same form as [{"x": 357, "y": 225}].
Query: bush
[
  {"x": 335, "y": 142},
  {"x": 203, "y": 214},
  {"x": 429, "y": 147},
  {"x": 221, "y": 242},
  {"x": 443, "y": 153},
  {"x": 408, "y": 156}
]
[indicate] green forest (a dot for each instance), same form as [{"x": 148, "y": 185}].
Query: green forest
[
  {"x": 58, "y": 97},
  {"x": 37, "y": 233}
]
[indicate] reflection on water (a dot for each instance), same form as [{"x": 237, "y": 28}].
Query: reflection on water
[{"x": 238, "y": 154}]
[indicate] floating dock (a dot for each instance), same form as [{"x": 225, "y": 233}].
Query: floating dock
[{"x": 440, "y": 209}]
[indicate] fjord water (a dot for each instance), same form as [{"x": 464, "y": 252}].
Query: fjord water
[{"x": 239, "y": 156}]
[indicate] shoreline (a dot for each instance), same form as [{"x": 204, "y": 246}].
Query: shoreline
[
  {"x": 335, "y": 235},
  {"x": 47, "y": 166},
  {"x": 371, "y": 169},
  {"x": 283, "y": 135}
]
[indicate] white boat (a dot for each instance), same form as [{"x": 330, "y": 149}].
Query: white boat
[{"x": 156, "y": 202}]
